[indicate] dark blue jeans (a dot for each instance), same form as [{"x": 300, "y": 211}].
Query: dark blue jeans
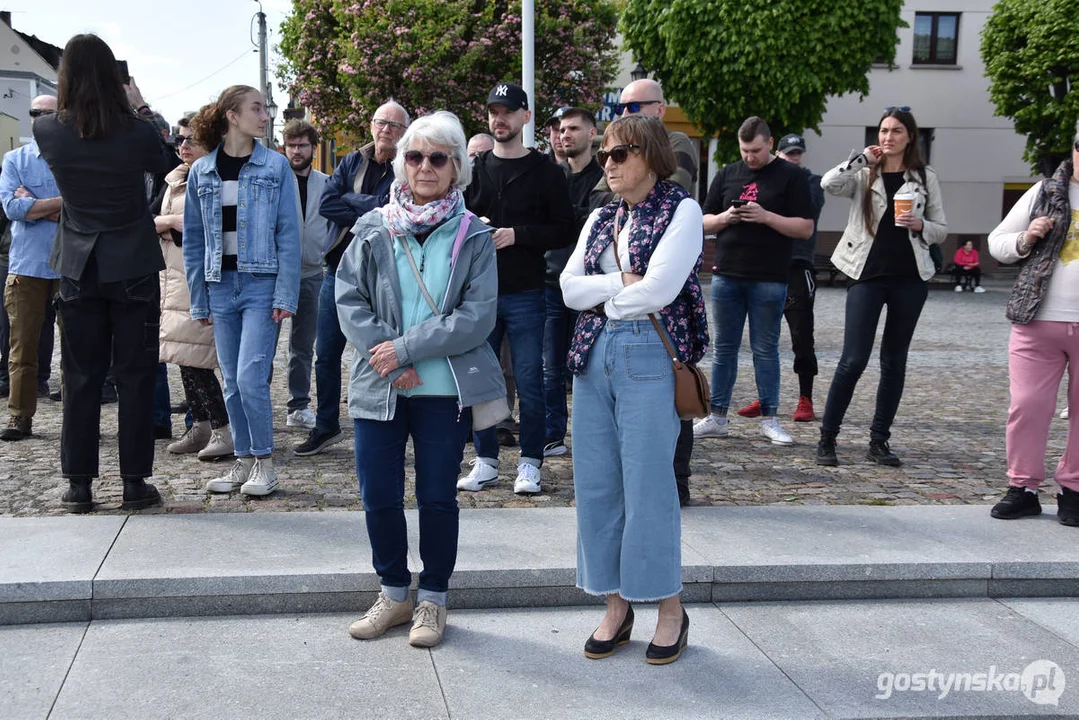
[
  {"x": 162, "y": 401},
  {"x": 556, "y": 336},
  {"x": 438, "y": 430},
  {"x": 329, "y": 347},
  {"x": 520, "y": 320},
  {"x": 905, "y": 298}
]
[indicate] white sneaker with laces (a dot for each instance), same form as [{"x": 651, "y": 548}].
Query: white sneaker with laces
[
  {"x": 979, "y": 289},
  {"x": 710, "y": 427},
  {"x": 482, "y": 476},
  {"x": 219, "y": 446},
  {"x": 554, "y": 449},
  {"x": 428, "y": 626},
  {"x": 528, "y": 480},
  {"x": 380, "y": 617},
  {"x": 959, "y": 288},
  {"x": 235, "y": 478},
  {"x": 262, "y": 480},
  {"x": 1064, "y": 414},
  {"x": 770, "y": 429},
  {"x": 302, "y": 418}
]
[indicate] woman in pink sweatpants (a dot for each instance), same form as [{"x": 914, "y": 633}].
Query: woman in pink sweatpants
[{"x": 1042, "y": 233}]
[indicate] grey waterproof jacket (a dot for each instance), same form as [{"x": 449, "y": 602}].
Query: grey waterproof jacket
[{"x": 368, "y": 292}]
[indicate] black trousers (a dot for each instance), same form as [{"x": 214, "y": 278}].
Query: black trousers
[
  {"x": 115, "y": 322},
  {"x": 964, "y": 276},
  {"x": 683, "y": 452},
  {"x": 801, "y": 291}
]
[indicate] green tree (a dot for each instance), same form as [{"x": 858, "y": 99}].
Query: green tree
[
  {"x": 1031, "y": 55},
  {"x": 723, "y": 60},
  {"x": 343, "y": 58}
]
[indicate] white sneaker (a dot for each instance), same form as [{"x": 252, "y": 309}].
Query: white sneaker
[
  {"x": 959, "y": 288},
  {"x": 482, "y": 476},
  {"x": 979, "y": 289},
  {"x": 528, "y": 480},
  {"x": 302, "y": 418},
  {"x": 262, "y": 480},
  {"x": 236, "y": 476},
  {"x": 219, "y": 446},
  {"x": 711, "y": 426},
  {"x": 770, "y": 429},
  {"x": 1064, "y": 414}
]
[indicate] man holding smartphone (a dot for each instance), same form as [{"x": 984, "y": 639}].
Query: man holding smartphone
[{"x": 757, "y": 207}]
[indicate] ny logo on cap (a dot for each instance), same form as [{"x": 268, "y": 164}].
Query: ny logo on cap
[{"x": 501, "y": 90}]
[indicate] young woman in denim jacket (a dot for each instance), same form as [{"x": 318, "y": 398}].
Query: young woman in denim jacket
[
  {"x": 416, "y": 372},
  {"x": 886, "y": 256},
  {"x": 242, "y": 258}
]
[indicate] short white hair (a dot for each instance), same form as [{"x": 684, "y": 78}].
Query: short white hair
[
  {"x": 391, "y": 103},
  {"x": 439, "y": 128}
]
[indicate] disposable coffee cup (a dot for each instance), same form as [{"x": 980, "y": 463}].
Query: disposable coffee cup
[{"x": 904, "y": 203}]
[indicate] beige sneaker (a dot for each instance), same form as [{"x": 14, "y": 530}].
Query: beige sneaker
[
  {"x": 262, "y": 480},
  {"x": 236, "y": 476},
  {"x": 383, "y": 615},
  {"x": 429, "y": 625},
  {"x": 218, "y": 446},
  {"x": 194, "y": 439}
]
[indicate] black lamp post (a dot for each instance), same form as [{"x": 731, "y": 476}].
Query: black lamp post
[{"x": 638, "y": 73}]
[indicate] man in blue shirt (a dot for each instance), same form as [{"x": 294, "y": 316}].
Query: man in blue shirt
[{"x": 31, "y": 201}]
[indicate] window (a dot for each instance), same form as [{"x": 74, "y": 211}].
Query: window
[
  {"x": 925, "y": 140},
  {"x": 936, "y": 36}
]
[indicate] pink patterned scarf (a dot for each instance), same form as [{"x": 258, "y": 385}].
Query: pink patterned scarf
[{"x": 404, "y": 217}]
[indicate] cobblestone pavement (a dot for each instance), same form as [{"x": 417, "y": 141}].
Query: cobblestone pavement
[{"x": 949, "y": 432}]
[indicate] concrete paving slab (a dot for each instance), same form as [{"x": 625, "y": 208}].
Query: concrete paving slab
[
  {"x": 265, "y": 667},
  {"x": 227, "y": 554},
  {"x": 517, "y": 664},
  {"x": 1058, "y": 615},
  {"x": 33, "y": 663},
  {"x": 879, "y": 659},
  {"x": 50, "y": 559}
]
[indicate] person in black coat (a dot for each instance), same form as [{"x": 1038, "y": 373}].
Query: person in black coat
[{"x": 107, "y": 255}]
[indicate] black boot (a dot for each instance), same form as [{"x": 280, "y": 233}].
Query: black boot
[
  {"x": 826, "y": 449},
  {"x": 1068, "y": 507},
  {"x": 139, "y": 494},
  {"x": 881, "y": 454},
  {"x": 77, "y": 498}
]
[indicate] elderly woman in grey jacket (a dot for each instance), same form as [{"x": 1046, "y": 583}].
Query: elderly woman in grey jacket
[{"x": 416, "y": 295}]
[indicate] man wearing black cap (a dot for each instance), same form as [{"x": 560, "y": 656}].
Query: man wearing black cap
[
  {"x": 801, "y": 287},
  {"x": 554, "y": 137},
  {"x": 524, "y": 196}
]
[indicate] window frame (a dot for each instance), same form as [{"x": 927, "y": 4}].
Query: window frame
[{"x": 934, "y": 38}]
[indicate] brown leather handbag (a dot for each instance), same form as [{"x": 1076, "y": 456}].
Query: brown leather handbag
[{"x": 692, "y": 399}]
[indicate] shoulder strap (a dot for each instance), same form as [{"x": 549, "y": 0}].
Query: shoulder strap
[
  {"x": 416, "y": 272},
  {"x": 651, "y": 316}
]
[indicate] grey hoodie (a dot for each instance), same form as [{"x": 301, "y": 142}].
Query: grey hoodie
[{"x": 368, "y": 293}]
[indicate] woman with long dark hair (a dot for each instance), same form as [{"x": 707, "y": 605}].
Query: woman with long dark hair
[
  {"x": 108, "y": 257},
  {"x": 242, "y": 257},
  {"x": 896, "y": 215}
]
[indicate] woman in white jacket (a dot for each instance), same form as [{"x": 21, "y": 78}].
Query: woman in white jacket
[{"x": 886, "y": 258}]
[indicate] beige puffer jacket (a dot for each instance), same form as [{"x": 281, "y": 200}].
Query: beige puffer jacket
[{"x": 183, "y": 341}]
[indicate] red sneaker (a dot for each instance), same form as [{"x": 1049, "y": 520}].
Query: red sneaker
[
  {"x": 804, "y": 412},
  {"x": 752, "y": 410}
]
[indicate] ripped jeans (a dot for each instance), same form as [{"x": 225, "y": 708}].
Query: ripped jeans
[{"x": 241, "y": 307}]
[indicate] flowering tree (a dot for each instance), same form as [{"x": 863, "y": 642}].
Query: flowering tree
[{"x": 343, "y": 58}]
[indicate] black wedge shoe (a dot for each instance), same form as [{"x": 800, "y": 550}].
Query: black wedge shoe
[
  {"x": 599, "y": 649},
  {"x": 666, "y": 654}
]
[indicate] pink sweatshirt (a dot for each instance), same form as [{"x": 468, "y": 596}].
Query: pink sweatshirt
[{"x": 963, "y": 258}]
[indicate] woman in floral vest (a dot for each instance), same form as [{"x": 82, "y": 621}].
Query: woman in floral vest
[{"x": 636, "y": 257}]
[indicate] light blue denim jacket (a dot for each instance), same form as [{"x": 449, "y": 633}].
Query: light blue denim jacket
[{"x": 267, "y": 226}]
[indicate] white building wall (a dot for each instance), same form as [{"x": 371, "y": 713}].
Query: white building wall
[{"x": 973, "y": 152}]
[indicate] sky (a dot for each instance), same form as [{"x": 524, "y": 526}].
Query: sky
[{"x": 181, "y": 54}]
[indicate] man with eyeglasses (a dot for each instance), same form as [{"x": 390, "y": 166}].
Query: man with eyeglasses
[
  {"x": 525, "y": 197},
  {"x": 31, "y": 200},
  {"x": 360, "y": 183},
  {"x": 301, "y": 139}
]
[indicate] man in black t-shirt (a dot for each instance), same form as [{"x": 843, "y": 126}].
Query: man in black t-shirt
[
  {"x": 525, "y": 197},
  {"x": 756, "y": 207}
]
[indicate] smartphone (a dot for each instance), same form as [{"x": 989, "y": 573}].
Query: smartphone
[
  {"x": 739, "y": 203},
  {"x": 121, "y": 67}
]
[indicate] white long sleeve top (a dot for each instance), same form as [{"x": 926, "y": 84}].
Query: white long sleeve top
[{"x": 669, "y": 267}]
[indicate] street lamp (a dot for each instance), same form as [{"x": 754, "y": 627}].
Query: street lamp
[
  {"x": 271, "y": 110},
  {"x": 638, "y": 73}
]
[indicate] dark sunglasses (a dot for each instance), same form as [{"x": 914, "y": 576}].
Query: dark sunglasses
[
  {"x": 900, "y": 108},
  {"x": 633, "y": 107},
  {"x": 38, "y": 112},
  {"x": 618, "y": 153},
  {"x": 438, "y": 159}
]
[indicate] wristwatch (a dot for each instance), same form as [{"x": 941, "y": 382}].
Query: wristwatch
[{"x": 1021, "y": 244}]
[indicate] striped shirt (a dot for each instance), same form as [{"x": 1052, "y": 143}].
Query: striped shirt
[{"x": 228, "y": 168}]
